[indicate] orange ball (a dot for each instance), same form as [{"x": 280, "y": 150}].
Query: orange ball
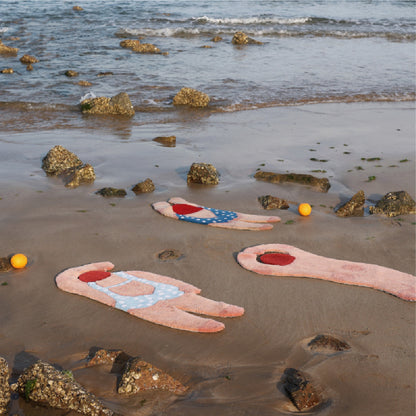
[
  {"x": 304, "y": 209},
  {"x": 18, "y": 261}
]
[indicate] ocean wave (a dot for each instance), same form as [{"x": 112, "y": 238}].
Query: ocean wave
[
  {"x": 252, "y": 20},
  {"x": 270, "y": 32}
]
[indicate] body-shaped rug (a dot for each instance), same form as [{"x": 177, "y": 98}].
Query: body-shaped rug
[
  {"x": 183, "y": 210},
  {"x": 152, "y": 297},
  {"x": 285, "y": 260}
]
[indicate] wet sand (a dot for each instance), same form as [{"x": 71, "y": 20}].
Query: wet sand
[{"x": 237, "y": 371}]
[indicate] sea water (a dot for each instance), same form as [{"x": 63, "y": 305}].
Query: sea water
[{"x": 312, "y": 51}]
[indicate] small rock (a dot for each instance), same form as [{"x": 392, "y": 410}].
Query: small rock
[
  {"x": 7, "y": 71},
  {"x": 81, "y": 175},
  {"x": 272, "y": 202},
  {"x": 300, "y": 390},
  {"x": 103, "y": 356},
  {"x": 71, "y": 73},
  {"x": 77, "y": 8},
  {"x": 393, "y": 204},
  {"x": 47, "y": 386},
  {"x": 203, "y": 173},
  {"x": 7, "y": 50},
  {"x": 354, "y": 207},
  {"x": 169, "y": 254},
  {"x": 167, "y": 141},
  {"x": 29, "y": 67},
  {"x": 27, "y": 59},
  {"x": 120, "y": 104},
  {"x": 319, "y": 184},
  {"x": 140, "y": 376},
  {"x": 240, "y": 38},
  {"x": 84, "y": 83},
  {"x": 206, "y": 47},
  {"x": 327, "y": 343},
  {"x": 4, "y": 386},
  {"x": 191, "y": 97},
  {"x": 105, "y": 74},
  {"x": 5, "y": 265},
  {"x": 110, "y": 192},
  {"x": 216, "y": 39},
  {"x": 136, "y": 46},
  {"x": 59, "y": 160},
  {"x": 144, "y": 187}
]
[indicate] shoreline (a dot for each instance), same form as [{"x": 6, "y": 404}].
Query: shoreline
[{"x": 60, "y": 228}]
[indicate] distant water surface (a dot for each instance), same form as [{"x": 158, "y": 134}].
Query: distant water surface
[{"x": 320, "y": 51}]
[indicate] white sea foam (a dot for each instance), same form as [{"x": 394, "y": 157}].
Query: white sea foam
[
  {"x": 4, "y": 29},
  {"x": 253, "y": 20},
  {"x": 88, "y": 95}
]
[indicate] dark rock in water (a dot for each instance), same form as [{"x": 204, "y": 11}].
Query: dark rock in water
[
  {"x": 319, "y": 184},
  {"x": 7, "y": 71},
  {"x": 7, "y": 50},
  {"x": 105, "y": 74},
  {"x": 354, "y": 207},
  {"x": 191, "y": 97},
  {"x": 28, "y": 59},
  {"x": 203, "y": 173},
  {"x": 112, "y": 192},
  {"x": 144, "y": 187},
  {"x": 216, "y": 39},
  {"x": 136, "y": 46},
  {"x": 167, "y": 141},
  {"x": 393, "y": 204},
  {"x": 327, "y": 343},
  {"x": 47, "y": 386},
  {"x": 120, "y": 104},
  {"x": 300, "y": 390},
  {"x": 139, "y": 376},
  {"x": 77, "y": 8},
  {"x": 71, "y": 73},
  {"x": 4, "y": 386},
  {"x": 5, "y": 265},
  {"x": 169, "y": 254},
  {"x": 29, "y": 67},
  {"x": 84, "y": 83},
  {"x": 58, "y": 160},
  {"x": 272, "y": 202},
  {"x": 81, "y": 175},
  {"x": 240, "y": 38}
]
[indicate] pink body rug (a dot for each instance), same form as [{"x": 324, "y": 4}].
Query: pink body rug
[
  {"x": 183, "y": 210},
  {"x": 155, "y": 298},
  {"x": 285, "y": 260}
]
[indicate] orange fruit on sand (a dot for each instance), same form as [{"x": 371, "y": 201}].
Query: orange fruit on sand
[
  {"x": 18, "y": 261},
  {"x": 304, "y": 209}
]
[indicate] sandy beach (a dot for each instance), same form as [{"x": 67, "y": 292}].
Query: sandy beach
[{"x": 237, "y": 371}]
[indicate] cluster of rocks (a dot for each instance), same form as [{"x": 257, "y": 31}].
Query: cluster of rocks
[
  {"x": 45, "y": 385},
  {"x": 25, "y": 59},
  {"x": 391, "y": 205},
  {"x": 136, "y": 46},
  {"x": 61, "y": 162},
  {"x": 120, "y": 104}
]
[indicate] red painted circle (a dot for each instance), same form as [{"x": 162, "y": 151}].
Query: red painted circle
[
  {"x": 93, "y": 276},
  {"x": 276, "y": 259},
  {"x": 185, "y": 209}
]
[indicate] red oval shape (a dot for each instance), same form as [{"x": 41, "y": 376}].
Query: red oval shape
[
  {"x": 276, "y": 259},
  {"x": 93, "y": 276},
  {"x": 185, "y": 209}
]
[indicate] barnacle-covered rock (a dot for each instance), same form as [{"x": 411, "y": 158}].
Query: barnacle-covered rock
[
  {"x": 272, "y": 202},
  {"x": 140, "y": 376},
  {"x": 120, "y": 104},
  {"x": 70, "y": 73},
  {"x": 4, "y": 386},
  {"x": 203, "y": 173},
  {"x": 45, "y": 385},
  {"x": 240, "y": 38},
  {"x": 81, "y": 174},
  {"x": 167, "y": 141},
  {"x": 84, "y": 83},
  {"x": 58, "y": 160},
  {"x": 136, "y": 46},
  {"x": 327, "y": 343},
  {"x": 5, "y": 265},
  {"x": 393, "y": 204},
  {"x": 7, "y": 71},
  {"x": 112, "y": 192},
  {"x": 144, "y": 187},
  {"x": 102, "y": 356},
  {"x": 7, "y": 50},
  {"x": 318, "y": 184},
  {"x": 354, "y": 207},
  {"x": 28, "y": 59},
  {"x": 191, "y": 97}
]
